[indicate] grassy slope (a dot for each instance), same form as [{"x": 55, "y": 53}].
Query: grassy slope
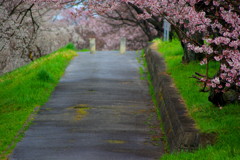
[
  {"x": 22, "y": 90},
  {"x": 225, "y": 122}
]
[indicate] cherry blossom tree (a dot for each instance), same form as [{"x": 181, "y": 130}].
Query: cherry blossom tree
[
  {"x": 209, "y": 28},
  {"x": 107, "y": 31},
  {"x": 221, "y": 26},
  {"x": 17, "y": 30},
  {"x": 215, "y": 22},
  {"x": 26, "y": 32}
]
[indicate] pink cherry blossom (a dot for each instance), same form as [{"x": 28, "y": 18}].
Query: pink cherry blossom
[{"x": 217, "y": 21}]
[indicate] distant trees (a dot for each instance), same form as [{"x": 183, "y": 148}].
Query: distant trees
[{"x": 107, "y": 31}]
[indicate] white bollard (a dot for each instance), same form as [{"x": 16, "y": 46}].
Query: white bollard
[
  {"x": 92, "y": 45},
  {"x": 123, "y": 46}
]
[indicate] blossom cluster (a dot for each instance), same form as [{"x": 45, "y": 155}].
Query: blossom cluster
[{"x": 219, "y": 24}]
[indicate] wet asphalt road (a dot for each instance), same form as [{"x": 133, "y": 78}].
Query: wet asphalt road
[{"x": 100, "y": 110}]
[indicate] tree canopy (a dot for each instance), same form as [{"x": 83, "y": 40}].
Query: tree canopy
[{"x": 209, "y": 28}]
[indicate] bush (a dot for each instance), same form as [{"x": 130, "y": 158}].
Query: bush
[
  {"x": 70, "y": 46},
  {"x": 45, "y": 76}
]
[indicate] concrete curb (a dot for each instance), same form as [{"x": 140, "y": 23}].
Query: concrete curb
[{"x": 179, "y": 127}]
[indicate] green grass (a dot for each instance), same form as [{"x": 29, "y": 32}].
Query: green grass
[
  {"x": 72, "y": 47},
  {"x": 84, "y": 50},
  {"x": 26, "y": 88},
  {"x": 210, "y": 119}
]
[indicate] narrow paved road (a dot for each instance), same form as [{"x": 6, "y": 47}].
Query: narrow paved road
[{"x": 100, "y": 110}]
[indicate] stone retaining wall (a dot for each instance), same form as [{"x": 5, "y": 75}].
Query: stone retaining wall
[{"x": 179, "y": 127}]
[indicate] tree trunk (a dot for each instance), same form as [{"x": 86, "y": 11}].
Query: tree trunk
[
  {"x": 189, "y": 55},
  {"x": 221, "y": 99},
  {"x": 231, "y": 95}
]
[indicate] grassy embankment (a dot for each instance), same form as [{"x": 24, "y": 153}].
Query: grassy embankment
[
  {"x": 225, "y": 123},
  {"x": 23, "y": 90}
]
